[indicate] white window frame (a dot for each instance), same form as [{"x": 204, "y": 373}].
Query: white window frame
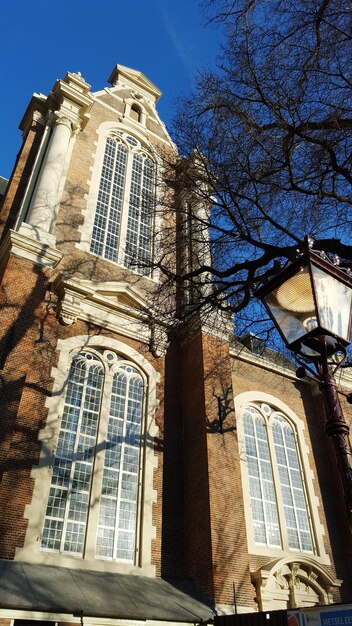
[
  {"x": 35, "y": 512},
  {"x": 298, "y": 427},
  {"x": 106, "y": 130}
]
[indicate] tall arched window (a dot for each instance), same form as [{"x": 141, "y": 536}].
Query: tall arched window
[
  {"x": 278, "y": 499},
  {"x": 123, "y": 221},
  {"x": 98, "y": 452}
]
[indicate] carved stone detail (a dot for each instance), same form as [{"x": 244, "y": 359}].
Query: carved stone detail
[
  {"x": 61, "y": 118},
  {"x": 69, "y": 308},
  {"x": 291, "y": 581}
]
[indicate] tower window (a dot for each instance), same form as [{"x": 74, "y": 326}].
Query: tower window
[{"x": 123, "y": 221}]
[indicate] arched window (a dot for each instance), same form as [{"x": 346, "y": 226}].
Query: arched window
[
  {"x": 135, "y": 112},
  {"x": 98, "y": 458},
  {"x": 278, "y": 499},
  {"x": 123, "y": 222}
]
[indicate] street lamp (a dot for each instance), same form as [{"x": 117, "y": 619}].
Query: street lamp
[{"x": 310, "y": 302}]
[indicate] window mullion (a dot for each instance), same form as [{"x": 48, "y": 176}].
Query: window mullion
[
  {"x": 123, "y": 445},
  {"x": 140, "y": 470},
  {"x": 261, "y": 478},
  {"x": 73, "y": 465},
  {"x": 291, "y": 490},
  {"x": 97, "y": 474},
  {"x": 108, "y": 213},
  {"x": 125, "y": 209},
  {"x": 146, "y": 195},
  {"x": 140, "y": 212},
  {"x": 306, "y": 497},
  {"x": 276, "y": 477}
]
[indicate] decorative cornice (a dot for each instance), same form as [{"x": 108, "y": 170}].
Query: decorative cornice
[
  {"x": 114, "y": 306},
  {"x": 72, "y": 99},
  {"x": 20, "y": 246},
  {"x": 37, "y": 234},
  {"x": 35, "y": 112}
]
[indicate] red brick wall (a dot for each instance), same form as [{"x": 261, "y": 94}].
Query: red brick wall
[
  {"x": 197, "y": 520},
  {"x": 298, "y": 396},
  {"x": 216, "y": 552},
  {"x": 173, "y": 530},
  {"x": 29, "y": 331}
]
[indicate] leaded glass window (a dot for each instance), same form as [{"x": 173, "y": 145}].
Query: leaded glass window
[
  {"x": 123, "y": 221},
  {"x": 118, "y": 503},
  {"x": 103, "y": 411},
  {"x": 280, "y": 512}
]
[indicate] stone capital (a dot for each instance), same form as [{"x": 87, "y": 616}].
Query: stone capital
[{"x": 62, "y": 118}]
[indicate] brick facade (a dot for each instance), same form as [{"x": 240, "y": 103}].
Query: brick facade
[{"x": 199, "y": 511}]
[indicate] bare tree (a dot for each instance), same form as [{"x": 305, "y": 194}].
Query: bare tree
[{"x": 269, "y": 134}]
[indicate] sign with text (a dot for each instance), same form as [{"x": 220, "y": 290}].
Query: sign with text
[{"x": 321, "y": 616}]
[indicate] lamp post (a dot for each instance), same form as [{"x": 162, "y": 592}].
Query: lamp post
[{"x": 310, "y": 303}]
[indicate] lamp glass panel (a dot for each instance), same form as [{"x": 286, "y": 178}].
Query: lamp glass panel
[
  {"x": 292, "y": 306},
  {"x": 334, "y": 299}
]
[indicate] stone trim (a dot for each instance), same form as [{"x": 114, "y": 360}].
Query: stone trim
[
  {"x": 232, "y": 609},
  {"x": 318, "y": 531},
  {"x": 20, "y": 246},
  {"x": 123, "y": 76},
  {"x": 35, "y": 511},
  {"x": 290, "y": 582},
  {"x": 116, "y": 306},
  {"x": 103, "y": 132}
]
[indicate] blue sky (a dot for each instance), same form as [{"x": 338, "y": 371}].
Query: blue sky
[{"x": 40, "y": 41}]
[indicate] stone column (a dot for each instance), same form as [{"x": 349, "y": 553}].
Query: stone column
[
  {"x": 71, "y": 101},
  {"x": 43, "y": 207}
]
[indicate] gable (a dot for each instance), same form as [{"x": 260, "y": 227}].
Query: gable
[{"x": 134, "y": 79}]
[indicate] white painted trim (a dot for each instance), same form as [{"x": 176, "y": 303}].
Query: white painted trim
[
  {"x": 318, "y": 532},
  {"x": 126, "y": 77},
  {"x": 20, "y": 246},
  {"x": 35, "y": 511}
]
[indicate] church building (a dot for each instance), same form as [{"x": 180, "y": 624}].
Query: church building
[{"x": 146, "y": 476}]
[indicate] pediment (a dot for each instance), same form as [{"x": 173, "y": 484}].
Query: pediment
[
  {"x": 111, "y": 292},
  {"x": 116, "y": 306},
  {"x": 121, "y": 293},
  {"x": 134, "y": 79}
]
